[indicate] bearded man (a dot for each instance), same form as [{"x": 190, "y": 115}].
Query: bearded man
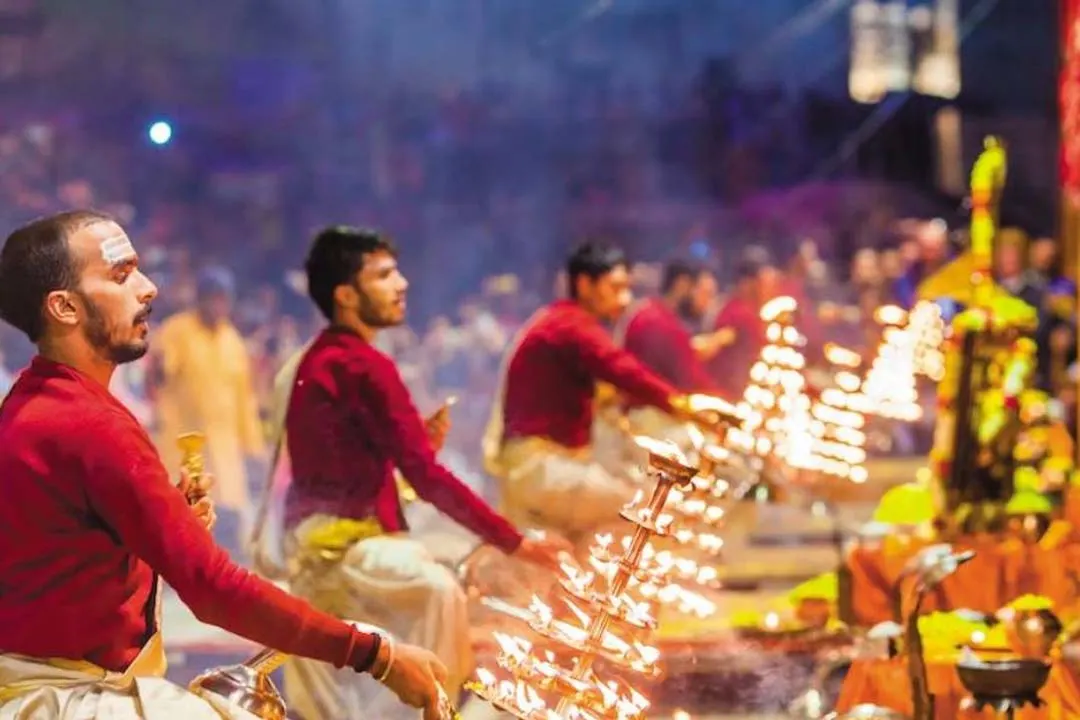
[
  {"x": 657, "y": 331},
  {"x": 538, "y": 441},
  {"x": 349, "y": 425},
  {"x": 740, "y": 317},
  {"x": 91, "y": 523}
]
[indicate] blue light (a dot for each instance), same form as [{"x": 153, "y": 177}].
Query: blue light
[{"x": 160, "y": 133}]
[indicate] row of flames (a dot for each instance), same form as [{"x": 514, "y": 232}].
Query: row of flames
[
  {"x": 611, "y": 603},
  {"x": 827, "y": 434}
]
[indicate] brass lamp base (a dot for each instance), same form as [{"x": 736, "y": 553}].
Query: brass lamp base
[{"x": 247, "y": 686}]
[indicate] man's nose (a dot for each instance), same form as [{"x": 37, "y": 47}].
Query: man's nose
[{"x": 148, "y": 291}]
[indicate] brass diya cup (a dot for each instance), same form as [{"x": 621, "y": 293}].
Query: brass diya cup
[
  {"x": 1029, "y": 527},
  {"x": 814, "y": 612},
  {"x": 1031, "y": 633}
]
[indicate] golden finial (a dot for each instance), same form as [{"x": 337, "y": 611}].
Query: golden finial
[
  {"x": 987, "y": 180},
  {"x": 192, "y": 459}
]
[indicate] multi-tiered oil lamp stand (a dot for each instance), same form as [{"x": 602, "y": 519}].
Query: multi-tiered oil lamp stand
[{"x": 575, "y": 692}]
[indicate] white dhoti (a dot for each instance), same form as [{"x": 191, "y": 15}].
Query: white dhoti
[
  {"x": 391, "y": 581},
  {"x": 548, "y": 486},
  {"x": 553, "y": 488},
  {"x": 395, "y": 583},
  {"x": 36, "y": 689},
  {"x": 612, "y": 441},
  {"x": 613, "y": 434},
  {"x": 660, "y": 425}
]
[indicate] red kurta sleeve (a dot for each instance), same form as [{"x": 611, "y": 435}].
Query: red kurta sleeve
[
  {"x": 730, "y": 368},
  {"x": 610, "y": 363},
  {"x": 744, "y": 320},
  {"x": 692, "y": 374},
  {"x": 130, "y": 489},
  {"x": 661, "y": 343},
  {"x": 404, "y": 438}
]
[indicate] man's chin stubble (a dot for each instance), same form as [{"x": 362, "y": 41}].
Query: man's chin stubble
[{"x": 130, "y": 353}]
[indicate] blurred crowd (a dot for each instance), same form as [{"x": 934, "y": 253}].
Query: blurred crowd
[
  {"x": 482, "y": 251},
  {"x": 457, "y": 353},
  {"x": 455, "y": 347}
]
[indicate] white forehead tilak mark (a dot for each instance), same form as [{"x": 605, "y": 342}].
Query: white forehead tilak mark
[{"x": 117, "y": 249}]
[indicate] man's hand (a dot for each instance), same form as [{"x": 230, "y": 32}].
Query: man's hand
[
  {"x": 438, "y": 426},
  {"x": 547, "y": 552},
  {"x": 606, "y": 395},
  {"x": 705, "y": 411},
  {"x": 197, "y": 493},
  {"x": 706, "y": 346},
  {"x": 204, "y": 510},
  {"x": 416, "y": 677},
  {"x": 195, "y": 489}
]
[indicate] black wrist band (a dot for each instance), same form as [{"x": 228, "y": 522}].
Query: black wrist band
[{"x": 369, "y": 659}]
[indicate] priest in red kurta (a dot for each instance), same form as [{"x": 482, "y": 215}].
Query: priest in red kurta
[
  {"x": 656, "y": 331},
  {"x": 350, "y": 423},
  {"x": 538, "y": 440},
  {"x": 91, "y": 522},
  {"x": 740, "y": 317}
]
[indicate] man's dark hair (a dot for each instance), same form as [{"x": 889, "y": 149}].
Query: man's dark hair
[
  {"x": 337, "y": 254},
  {"x": 36, "y": 261},
  {"x": 593, "y": 260},
  {"x": 759, "y": 256},
  {"x": 676, "y": 270},
  {"x": 748, "y": 269}
]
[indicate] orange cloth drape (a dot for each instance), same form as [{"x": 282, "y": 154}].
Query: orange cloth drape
[
  {"x": 885, "y": 683},
  {"x": 1001, "y": 571}
]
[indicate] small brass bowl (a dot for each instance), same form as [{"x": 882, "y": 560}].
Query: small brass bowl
[
  {"x": 244, "y": 687},
  {"x": 1016, "y": 681},
  {"x": 814, "y": 612},
  {"x": 1029, "y": 527},
  {"x": 1031, "y": 633}
]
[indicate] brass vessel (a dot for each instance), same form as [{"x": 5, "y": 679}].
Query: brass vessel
[
  {"x": 1032, "y": 633},
  {"x": 1004, "y": 685},
  {"x": 1029, "y": 527},
  {"x": 247, "y": 685},
  {"x": 192, "y": 456},
  {"x": 814, "y": 612}
]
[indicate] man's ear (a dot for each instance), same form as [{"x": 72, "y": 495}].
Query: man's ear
[
  {"x": 346, "y": 296},
  {"x": 579, "y": 287},
  {"x": 62, "y": 307}
]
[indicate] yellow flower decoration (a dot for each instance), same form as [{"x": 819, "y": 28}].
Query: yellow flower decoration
[
  {"x": 339, "y": 534},
  {"x": 1060, "y": 464},
  {"x": 822, "y": 587},
  {"x": 907, "y": 504},
  {"x": 1028, "y": 503},
  {"x": 1031, "y": 602},
  {"x": 943, "y": 631},
  {"x": 1026, "y": 480}
]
